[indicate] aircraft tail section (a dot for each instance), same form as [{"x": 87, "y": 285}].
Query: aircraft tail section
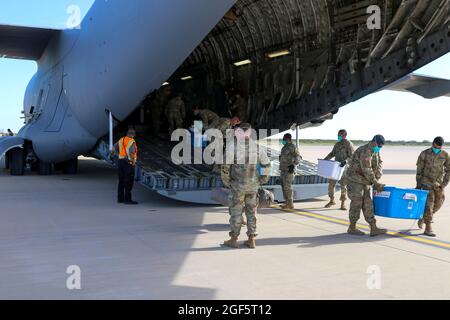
[{"x": 19, "y": 42}]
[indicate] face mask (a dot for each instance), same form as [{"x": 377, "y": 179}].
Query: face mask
[
  {"x": 196, "y": 113},
  {"x": 283, "y": 142},
  {"x": 436, "y": 151},
  {"x": 340, "y": 138},
  {"x": 376, "y": 149}
]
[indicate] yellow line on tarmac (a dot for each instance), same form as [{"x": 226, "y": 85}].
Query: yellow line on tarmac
[{"x": 415, "y": 238}]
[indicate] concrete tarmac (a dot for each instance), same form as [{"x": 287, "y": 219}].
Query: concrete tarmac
[{"x": 163, "y": 249}]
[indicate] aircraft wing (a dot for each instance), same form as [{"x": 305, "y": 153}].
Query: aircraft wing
[
  {"x": 424, "y": 86},
  {"x": 27, "y": 43}
]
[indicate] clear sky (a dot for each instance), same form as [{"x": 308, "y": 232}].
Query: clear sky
[{"x": 399, "y": 116}]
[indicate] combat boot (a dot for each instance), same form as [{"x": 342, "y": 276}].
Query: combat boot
[
  {"x": 420, "y": 223},
  {"x": 288, "y": 205},
  {"x": 375, "y": 231},
  {"x": 251, "y": 243},
  {"x": 330, "y": 204},
  {"x": 343, "y": 207},
  {"x": 429, "y": 231},
  {"x": 355, "y": 231},
  {"x": 232, "y": 243}
]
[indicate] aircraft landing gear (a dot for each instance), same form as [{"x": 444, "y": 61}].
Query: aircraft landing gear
[
  {"x": 44, "y": 168},
  {"x": 16, "y": 161},
  {"x": 70, "y": 167}
]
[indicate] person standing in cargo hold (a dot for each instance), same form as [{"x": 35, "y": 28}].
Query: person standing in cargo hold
[
  {"x": 238, "y": 107},
  {"x": 157, "y": 105},
  {"x": 127, "y": 151},
  {"x": 433, "y": 174},
  {"x": 342, "y": 152},
  {"x": 208, "y": 117},
  {"x": 176, "y": 113},
  {"x": 289, "y": 159},
  {"x": 364, "y": 171},
  {"x": 244, "y": 179}
]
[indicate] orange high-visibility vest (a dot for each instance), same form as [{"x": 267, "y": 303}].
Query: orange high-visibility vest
[{"x": 124, "y": 148}]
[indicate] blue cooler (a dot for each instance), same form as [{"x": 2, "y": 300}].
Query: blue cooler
[{"x": 400, "y": 203}]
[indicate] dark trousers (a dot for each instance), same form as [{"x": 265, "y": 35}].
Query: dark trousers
[{"x": 126, "y": 181}]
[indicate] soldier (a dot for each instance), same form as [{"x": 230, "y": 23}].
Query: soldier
[
  {"x": 224, "y": 124},
  {"x": 289, "y": 159},
  {"x": 208, "y": 117},
  {"x": 238, "y": 107},
  {"x": 433, "y": 174},
  {"x": 175, "y": 113},
  {"x": 157, "y": 106},
  {"x": 244, "y": 181},
  {"x": 342, "y": 152},
  {"x": 364, "y": 171}
]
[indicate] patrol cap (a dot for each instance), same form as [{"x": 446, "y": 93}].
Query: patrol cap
[
  {"x": 379, "y": 139},
  {"x": 439, "y": 141}
]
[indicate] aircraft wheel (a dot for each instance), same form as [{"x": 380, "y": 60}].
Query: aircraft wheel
[
  {"x": 16, "y": 162},
  {"x": 44, "y": 168},
  {"x": 6, "y": 161},
  {"x": 71, "y": 166}
]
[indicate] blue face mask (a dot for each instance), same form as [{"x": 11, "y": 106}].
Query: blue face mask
[
  {"x": 376, "y": 149},
  {"x": 340, "y": 138},
  {"x": 283, "y": 142},
  {"x": 436, "y": 151}
]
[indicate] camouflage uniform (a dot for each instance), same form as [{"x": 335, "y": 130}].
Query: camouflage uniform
[
  {"x": 157, "y": 106},
  {"x": 244, "y": 184},
  {"x": 364, "y": 171},
  {"x": 239, "y": 109},
  {"x": 221, "y": 124},
  {"x": 175, "y": 113},
  {"x": 433, "y": 174},
  {"x": 208, "y": 118},
  {"x": 289, "y": 156},
  {"x": 342, "y": 151}
]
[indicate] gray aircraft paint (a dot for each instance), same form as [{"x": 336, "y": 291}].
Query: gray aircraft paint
[{"x": 123, "y": 50}]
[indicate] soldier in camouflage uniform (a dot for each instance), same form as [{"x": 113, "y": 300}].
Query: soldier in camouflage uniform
[
  {"x": 238, "y": 107},
  {"x": 208, "y": 117},
  {"x": 176, "y": 113},
  {"x": 289, "y": 159},
  {"x": 157, "y": 106},
  {"x": 364, "y": 171},
  {"x": 244, "y": 181},
  {"x": 342, "y": 152},
  {"x": 433, "y": 174},
  {"x": 224, "y": 124}
]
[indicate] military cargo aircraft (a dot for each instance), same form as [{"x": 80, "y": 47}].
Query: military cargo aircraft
[{"x": 295, "y": 62}]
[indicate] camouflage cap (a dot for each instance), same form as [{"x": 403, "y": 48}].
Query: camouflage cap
[
  {"x": 379, "y": 139},
  {"x": 439, "y": 141}
]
